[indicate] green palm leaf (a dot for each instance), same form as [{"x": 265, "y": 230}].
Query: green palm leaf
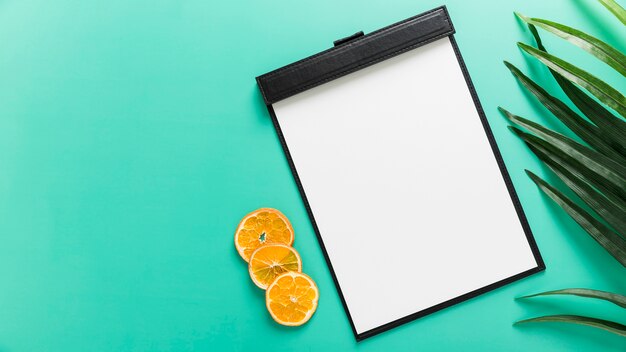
[
  {"x": 604, "y": 92},
  {"x": 590, "y": 44},
  {"x": 606, "y": 168},
  {"x": 593, "y": 173},
  {"x": 617, "y": 10},
  {"x": 609, "y": 326},
  {"x": 610, "y": 209},
  {"x": 595, "y": 170},
  {"x": 613, "y": 128},
  {"x": 606, "y": 204},
  {"x": 551, "y": 155},
  {"x": 588, "y": 132},
  {"x": 574, "y": 166},
  {"x": 583, "y": 292},
  {"x": 606, "y": 237},
  {"x": 611, "y": 212}
]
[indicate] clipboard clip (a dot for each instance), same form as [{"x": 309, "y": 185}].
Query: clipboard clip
[{"x": 348, "y": 38}]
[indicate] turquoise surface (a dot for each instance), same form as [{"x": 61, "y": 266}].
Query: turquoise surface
[{"x": 133, "y": 139}]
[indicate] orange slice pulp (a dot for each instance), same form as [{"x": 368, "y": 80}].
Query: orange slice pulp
[
  {"x": 292, "y": 298},
  {"x": 262, "y": 226},
  {"x": 271, "y": 260}
]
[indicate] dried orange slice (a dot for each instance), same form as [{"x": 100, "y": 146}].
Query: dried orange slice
[
  {"x": 292, "y": 298},
  {"x": 262, "y": 226},
  {"x": 271, "y": 260}
]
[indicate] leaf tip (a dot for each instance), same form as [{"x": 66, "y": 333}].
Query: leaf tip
[
  {"x": 514, "y": 70},
  {"x": 527, "y": 48},
  {"x": 515, "y": 130},
  {"x": 532, "y": 176},
  {"x": 520, "y": 16},
  {"x": 505, "y": 112},
  {"x": 521, "y": 322}
]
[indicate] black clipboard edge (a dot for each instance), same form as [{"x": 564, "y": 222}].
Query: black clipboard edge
[
  {"x": 446, "y": 304},
  {"x": 507, "y": 179}
]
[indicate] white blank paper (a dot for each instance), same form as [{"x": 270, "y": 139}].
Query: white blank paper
[{"x": 404, "y": 186}]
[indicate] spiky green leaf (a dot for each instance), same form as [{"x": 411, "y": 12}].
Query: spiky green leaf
[
  {"x": 603, "y": 91},
  {"x": 613, "y": 128},
  {"x": 615, "y": 9},
  {"x": 607, "y": 325},
  {"x": 600, "y": 164},
  {"x": 588, "y": 132},
  {"x": 584, "y": 292},
  {"x": 611, "y": 212},
  {"x": 607, "y": 238},
  {"x": 601, "y": 50},
  {"x": 552, "y": 153}
]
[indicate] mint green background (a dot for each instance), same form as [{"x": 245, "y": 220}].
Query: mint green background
[{"x": 133, "y": 139}]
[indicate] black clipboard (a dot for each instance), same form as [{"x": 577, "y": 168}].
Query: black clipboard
[{"x": 386, "y": 140}]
